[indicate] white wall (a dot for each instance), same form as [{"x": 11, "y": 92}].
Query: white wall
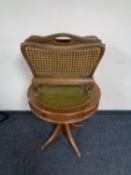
[{"x": 108, "y": 19}]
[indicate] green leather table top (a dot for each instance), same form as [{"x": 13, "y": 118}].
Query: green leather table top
[{"x": 63, "y": 97}]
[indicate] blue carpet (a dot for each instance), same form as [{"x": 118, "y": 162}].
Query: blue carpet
[{"x": 104, "y": 142}]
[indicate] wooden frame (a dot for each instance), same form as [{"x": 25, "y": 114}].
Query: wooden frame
[{"x": 46, "y": 57}]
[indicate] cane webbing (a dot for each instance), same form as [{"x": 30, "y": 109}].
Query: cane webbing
[{"x": 65, "y": 63}]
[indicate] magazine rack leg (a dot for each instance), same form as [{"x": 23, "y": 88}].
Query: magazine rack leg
[
  {"x": 53, "y": 137},
  {"x": 67, "y": 129},
  {"x": 71, "y": 140}
]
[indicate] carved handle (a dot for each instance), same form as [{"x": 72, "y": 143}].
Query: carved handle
[
  {"x": 65, "y": 38},
  {"x": 62, "y": 39}
]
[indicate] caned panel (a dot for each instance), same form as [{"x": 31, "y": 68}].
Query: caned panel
[{"x": 63, "y": 63}]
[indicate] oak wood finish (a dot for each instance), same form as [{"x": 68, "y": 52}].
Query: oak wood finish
[{"x": 63, "y": 59}]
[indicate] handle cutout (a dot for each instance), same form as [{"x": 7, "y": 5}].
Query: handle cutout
[{"x": 63, "y": 39}]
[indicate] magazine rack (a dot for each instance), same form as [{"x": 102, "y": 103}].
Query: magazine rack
[{"x": 63, "y": 90}]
